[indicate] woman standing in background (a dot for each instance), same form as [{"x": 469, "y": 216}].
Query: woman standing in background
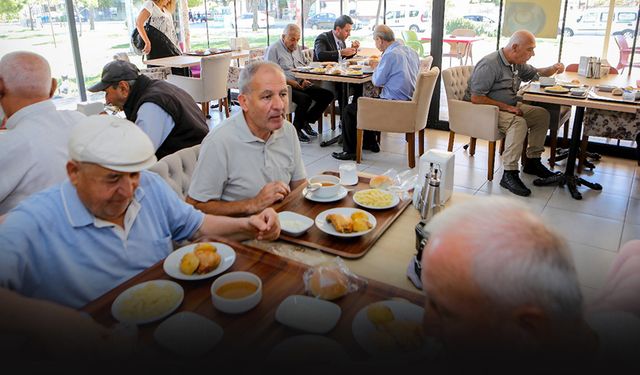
[{"x": 159, "y": 35}]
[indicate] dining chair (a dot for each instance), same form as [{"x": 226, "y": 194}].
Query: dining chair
[
  {"x": 625, "y": 53},
  {"x": 425, "y": 63},
  {"x": 212, "y": 84},
  {"x": 399, "y": 116},
  {"x": 177, "y": 168},
  {"x": 291, "y": 108},
  {"x": 473, "y": 120}
]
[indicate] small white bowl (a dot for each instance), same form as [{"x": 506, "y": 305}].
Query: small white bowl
[
  {"x": 294, "y": 224},
  {"x": 330, "y": 185},
  {"x": 236, "y": 305}
]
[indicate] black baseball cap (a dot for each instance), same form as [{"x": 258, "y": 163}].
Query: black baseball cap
[{"x": 114, "y": 72}]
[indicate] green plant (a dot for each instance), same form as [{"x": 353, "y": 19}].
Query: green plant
[{"x": 460, "y": 23}]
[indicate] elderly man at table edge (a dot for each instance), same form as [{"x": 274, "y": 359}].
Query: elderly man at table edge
[
  {"x": 33, "y": 161},
  {"x": 311, "y": 100},
  {"x": 500, "y": 286},
  {"x": 495, "y": 81},
  {"x": 396, "y": 73},
  {"x": 168, "y": 114},
  {"x": 252, "y": 159},
  {"x": 109, "y": 221}
]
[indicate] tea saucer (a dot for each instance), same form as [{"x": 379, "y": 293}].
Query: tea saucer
[{"x": 342, "y": 192}]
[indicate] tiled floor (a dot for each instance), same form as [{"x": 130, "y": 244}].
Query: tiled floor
[{"x": 595, "y": 227}]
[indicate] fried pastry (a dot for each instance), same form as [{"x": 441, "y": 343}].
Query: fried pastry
[
  {"x": 189, "y": 263},
  {"x": 209, "y": 258},
  {"x": 340, "y": 223},
  {"x": 379, "y": 313},
  {"x": 361, "y": 225}
]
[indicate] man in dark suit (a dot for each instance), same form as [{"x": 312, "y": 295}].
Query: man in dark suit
[{"x": 332, "y": 46}]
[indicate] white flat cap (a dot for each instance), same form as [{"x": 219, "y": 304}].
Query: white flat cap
[{"x": 113, "y": 143}]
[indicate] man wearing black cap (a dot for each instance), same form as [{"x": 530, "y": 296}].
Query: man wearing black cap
[{"x": 168, "y": 114}]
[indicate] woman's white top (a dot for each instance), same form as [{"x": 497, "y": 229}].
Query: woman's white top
[{"x": 162, "y": 20}]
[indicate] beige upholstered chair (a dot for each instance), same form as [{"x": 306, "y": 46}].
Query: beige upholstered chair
[
  {"x": 473, "y": 120},
  {"x": 425, "y": 63},
  {"x": 212, "y": 84},
  {"x": 176, "y": 169},
  {"x": 399, "y": 116}
]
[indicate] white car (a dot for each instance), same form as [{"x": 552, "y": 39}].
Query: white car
[
  {"x": 245, "y": 21},
  {"x": 408, "y": 18}
]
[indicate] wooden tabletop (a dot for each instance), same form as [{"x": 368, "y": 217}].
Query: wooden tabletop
[
  {"x": 255, "y": 332},
  {"x": 456, "y": 39},
  {"x": 611, "y": 79},
  {"x": 333, "y": 77},
  {"x": 185, "y": 61}
]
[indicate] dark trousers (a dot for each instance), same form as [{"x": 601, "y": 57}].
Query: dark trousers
[
  {"x": 310, "y": 104},
  {"x": 350, "y": 128},
  {"x": 355, "y": 90}
]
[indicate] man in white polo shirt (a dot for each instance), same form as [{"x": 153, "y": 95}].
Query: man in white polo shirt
[{"x": 252, "y": 160}]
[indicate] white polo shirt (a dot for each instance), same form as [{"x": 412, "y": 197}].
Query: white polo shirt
[{"x": 234, "y": 164}]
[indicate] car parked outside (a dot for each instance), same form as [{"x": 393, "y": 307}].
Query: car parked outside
[
  {"x": 594, "y": 22},
  {"x": 326, "y": 20},
  {"x": 408, "y": 18}
]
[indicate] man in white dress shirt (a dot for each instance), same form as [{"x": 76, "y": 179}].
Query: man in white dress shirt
[{"x": 35, "y": 142}]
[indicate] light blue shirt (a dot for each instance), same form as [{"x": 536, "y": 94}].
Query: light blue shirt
[
  {"x": 397, "y": 72},
  {"x": 156, "y": 122},
  {"x": 53, "y": 248}
]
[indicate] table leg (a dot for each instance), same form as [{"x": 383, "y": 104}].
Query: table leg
[
  {"x": 344, "y": 100},
  {"x": 568, "y": 177}
]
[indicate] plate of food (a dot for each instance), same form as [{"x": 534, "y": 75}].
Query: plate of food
[
  {"x": 147, "y": 302},
  {"x": 376, "y": 199},
  {"x": 199, "y": 261},
  {"x": 294, "y": 224},
  {"x": 353, "y": 72},
  {"x": 345, "y": 222},
  {"x": 391, "y": 327},
  {"x": 317, "y": 70},
  {"x": 557, "y": 89},
  {"x": 570, "y": 84}
]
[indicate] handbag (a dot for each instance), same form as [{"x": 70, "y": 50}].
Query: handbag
[{"x": 137, "y": 44}]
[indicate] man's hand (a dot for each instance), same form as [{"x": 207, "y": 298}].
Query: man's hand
[
  {"x": 355, "y": 44},
  {"x": 559, "y": 67},
  {"x": 515, "y": 110},
  {"x": 373, "y": 63},
  {"x": 271, "y": 193},
  {"x": 348, "y": 52},
  {"x": 296, "y": 85},
  {"x": 265, "y": 225},
  {"x": 306, "y": 83}
]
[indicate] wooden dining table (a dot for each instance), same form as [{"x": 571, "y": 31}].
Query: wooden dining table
[
  {"x": 256, "y": 333},
  {"x": 186, "y": 61},
  {"x": 569, "y": 178},
  {"x": 466, "y": 41}
]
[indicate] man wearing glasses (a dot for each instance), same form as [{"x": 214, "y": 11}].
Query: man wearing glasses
[{"x": 495, "y": 81}]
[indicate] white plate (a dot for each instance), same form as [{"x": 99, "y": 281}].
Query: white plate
[
  {"x": 188, "y": 334},
  {"x": 308, "y": 348},
  {"x": 556, "y": 91},
  {"x": 171, "y": 264},
  {"x": 394, "y": 200},
  {"x": 294, "y": 224},
  {"x": 363, "y": 329},
  {"x": 119, "y": 302},
  {"x": 308, "y": 314},
  {"x": 342, "y": 192},
  {"x": 323, "y": 225}
]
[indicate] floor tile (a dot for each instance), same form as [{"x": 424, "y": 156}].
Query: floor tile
[
  {"x": 593, "y": 202},
  {"x": 469, "y": 178},
  {"x": 592, "y": 264},
  {"x": 611, "y": 183},
  {"x": 539, "y": 194},
  {"x": 633, "y": 212},
  {"x": 630, "y": 232},
  {"x": 584, "y": 229}
]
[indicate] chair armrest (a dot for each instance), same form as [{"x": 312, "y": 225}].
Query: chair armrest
[
  {"x": 475, "y": 120},
  {"x": 191, "y": 85},
  {"x": 396, "y": 116}
]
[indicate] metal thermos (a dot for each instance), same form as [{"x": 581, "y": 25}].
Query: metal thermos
[
  {"x": 423, "y": 190},
  {"x": 431, "y": 203}
]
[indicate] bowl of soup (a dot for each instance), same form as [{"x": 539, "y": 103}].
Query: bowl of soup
[
  {"x": 236, "y": 292},
  {"x": 330, "y": 185}
]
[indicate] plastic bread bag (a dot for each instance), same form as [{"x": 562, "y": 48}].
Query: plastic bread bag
[
  {"x": 331, "y": 280},
  {"x": 400, "y": 183}
]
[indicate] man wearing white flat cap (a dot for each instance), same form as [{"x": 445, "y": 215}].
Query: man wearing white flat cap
[{"x": 109, "y": 221}]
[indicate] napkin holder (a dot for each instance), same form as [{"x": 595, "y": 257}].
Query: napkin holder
[{"x": 583, "y": 66}]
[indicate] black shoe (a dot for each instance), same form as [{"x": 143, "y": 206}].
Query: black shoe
[
  {"x": 343, "y": 155},
  {"x": 303, "y": 137},
  {"x": 535, "y": 166},
  {"x": 310, "y": 132},
  {"x": 511, "y": 181},
  {"x": 373, "y": 147}
]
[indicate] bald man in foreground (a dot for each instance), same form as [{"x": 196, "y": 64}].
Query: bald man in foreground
[
  {"x": 37, "y": 134},
  {"x": 495, "y": 81}
]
